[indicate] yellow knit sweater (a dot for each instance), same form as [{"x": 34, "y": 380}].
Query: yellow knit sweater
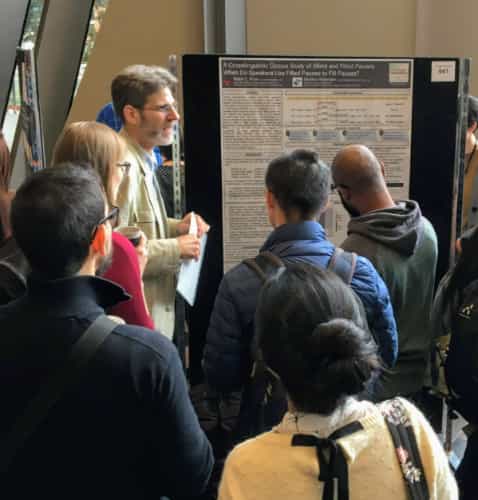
[{"x": 269, "y": 468}]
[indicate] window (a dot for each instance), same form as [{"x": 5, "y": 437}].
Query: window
[
  {"x": 99, "y": 9},
  {"x": 29, "y": 36}
]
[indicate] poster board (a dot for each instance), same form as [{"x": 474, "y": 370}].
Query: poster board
[
  {"x": 271, "y": 106},
  {"x": 241, "y": 111}
]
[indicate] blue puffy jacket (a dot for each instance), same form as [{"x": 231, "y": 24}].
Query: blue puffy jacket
[{"x": 227, "y": 359}]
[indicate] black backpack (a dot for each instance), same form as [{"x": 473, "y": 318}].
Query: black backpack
[
  {"x": 461, "y": 364},
  {"x": 228, "y": 419},
  {"x": 264, "y": 401}
]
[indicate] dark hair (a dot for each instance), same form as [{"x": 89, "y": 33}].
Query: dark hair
[
  {"x": 300, "y": 182},
  {"x": 136, "y": 83},
  {"x": 53, "y": 215},
  {"x": 465, "y": 270},
  {"x": 313, "y": 334},
  {"x": 472, "y": 110}
]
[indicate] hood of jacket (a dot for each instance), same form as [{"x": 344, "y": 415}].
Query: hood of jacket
[{"x": 399, "y": 228}]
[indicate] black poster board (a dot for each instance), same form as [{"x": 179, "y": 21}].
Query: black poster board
[{"x": 438, "y": 131}]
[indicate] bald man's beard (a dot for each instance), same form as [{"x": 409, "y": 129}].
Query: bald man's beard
[
  {"x": 352, "y": 211},
  {"x": 105, "y": 263}
]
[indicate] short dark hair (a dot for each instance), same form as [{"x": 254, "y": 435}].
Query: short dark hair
[
  {"x": 134, "y": 84},
  {"x": 472, "y": 110},
  {"x": 54, "y": 214},
  {"x": 313, "y": 334},
  {"x": 300, "y": 182}
]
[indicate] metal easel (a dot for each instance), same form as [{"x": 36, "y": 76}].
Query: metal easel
[{"x": 176, "y": 145}]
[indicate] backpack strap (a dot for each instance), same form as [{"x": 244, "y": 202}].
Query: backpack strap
[
  {"x": 48, "y": 395},
  {"x": 343, "y": 264},
  {"x": 401, "y": 430},
  {"x": 333, "y": 468},
  {"x": 263, "y": 264}
]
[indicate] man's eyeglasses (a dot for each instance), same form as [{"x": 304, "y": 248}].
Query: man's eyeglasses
[
  {"x": 164, "y": 108},
  {"x": 124, "y": 166},
  {"x": 113, "y": 215}
]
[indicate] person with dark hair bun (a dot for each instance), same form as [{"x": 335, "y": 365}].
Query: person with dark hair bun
[{"x": 313, "y": 337}]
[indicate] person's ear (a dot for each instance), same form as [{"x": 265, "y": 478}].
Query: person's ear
[
  {"x": 345, "y": 192},
  {"x": 458, "y": 246},
  {"x": 473, "y": 127},
  {"x": 98, "y": 245},
  {"x": 325, "y": 206},
  {"x": 130, "y": 115},
  {"x": 270, "y": 200}
]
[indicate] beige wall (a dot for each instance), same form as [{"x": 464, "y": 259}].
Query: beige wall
[
  {"x": 136, "y": 31},
  {"x": 331, "y": 27},
  {"x": 448, "y": 28}
]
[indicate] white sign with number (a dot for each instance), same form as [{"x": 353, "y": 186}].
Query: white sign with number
[{"x": 443, "y": 71}]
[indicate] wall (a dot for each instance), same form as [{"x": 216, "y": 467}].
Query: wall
[
  {"x": 447, "y": 28},
  {"x": 140, "y": 31},
  {"x": 331, "y": 28}
]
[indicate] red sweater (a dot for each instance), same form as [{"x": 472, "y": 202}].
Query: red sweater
[{"x": 124, "y": 271}]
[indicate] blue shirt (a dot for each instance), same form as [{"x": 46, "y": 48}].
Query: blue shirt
[{"x": 107, "y": 115}]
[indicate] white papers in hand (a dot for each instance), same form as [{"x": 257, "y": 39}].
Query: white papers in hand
[{"x": 190, "y": 269}]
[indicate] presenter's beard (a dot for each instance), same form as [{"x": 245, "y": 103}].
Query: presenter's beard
[
  {"x": 105, "y": 264},
  {"x": 353, "y": 212}
]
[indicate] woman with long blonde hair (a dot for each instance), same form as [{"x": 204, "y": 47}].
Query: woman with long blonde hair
[{"x": 101, "y": 147}]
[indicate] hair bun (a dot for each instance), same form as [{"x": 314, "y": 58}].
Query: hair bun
[
  {"x": 342, "y": 353},
  {"x": 338, "y": 338}
]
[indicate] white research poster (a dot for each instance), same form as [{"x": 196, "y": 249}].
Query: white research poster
[{"x": 271, "y": 106}]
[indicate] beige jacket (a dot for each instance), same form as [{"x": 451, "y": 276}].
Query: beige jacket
[{"x": 140, "y": 206}]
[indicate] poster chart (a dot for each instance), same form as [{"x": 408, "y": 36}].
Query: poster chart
[{"x": 271, "y": 106}]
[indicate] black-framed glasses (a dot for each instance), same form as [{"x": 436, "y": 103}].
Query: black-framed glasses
[
  {"x": 113, "y": 215},
  {"x": 124, "y": 166}
]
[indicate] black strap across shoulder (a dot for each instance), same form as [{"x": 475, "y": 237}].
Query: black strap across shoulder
[
  {"x": 264, "y": 263},
  {"x": 342, "y": 263},
  {"x": 333, "y": 469},
  {"x": 50, "y": 393},
  {"x": 405, "y": 443}
]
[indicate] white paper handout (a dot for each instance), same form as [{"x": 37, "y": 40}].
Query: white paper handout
[{"x": 190, "y": 269}]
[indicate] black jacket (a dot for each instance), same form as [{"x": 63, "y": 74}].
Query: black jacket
[{"x": 125, "y": 430}]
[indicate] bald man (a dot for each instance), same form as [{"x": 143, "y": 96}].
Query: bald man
[{"x": 402, "y": 245}]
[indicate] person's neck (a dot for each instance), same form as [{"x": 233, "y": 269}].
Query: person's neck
[
  {"x": 88, "y": 268},
  {"x": 378, "y": 201},
  {"x": 281, "y": 219},
  {"x": 134, "y": 134}
]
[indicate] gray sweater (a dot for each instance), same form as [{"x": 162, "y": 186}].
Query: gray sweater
[{"x": 402, "y": 245}]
